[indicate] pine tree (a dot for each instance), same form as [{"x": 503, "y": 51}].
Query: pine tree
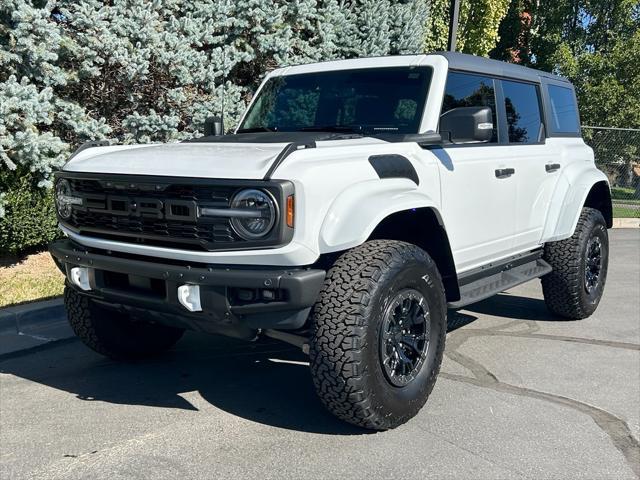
[{"x": 140, "y": 71}]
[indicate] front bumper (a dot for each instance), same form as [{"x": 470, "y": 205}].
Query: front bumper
[
  {"x": 233, "y": 298},
  {"x": 290, "y": 255}
]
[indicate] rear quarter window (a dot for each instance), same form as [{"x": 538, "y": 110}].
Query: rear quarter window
[{"x": 564, "y": 111}]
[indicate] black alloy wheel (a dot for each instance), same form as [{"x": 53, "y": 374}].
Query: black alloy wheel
[
  {"x": 404, "y": 338},
  {"x": 593, "y": 264}
]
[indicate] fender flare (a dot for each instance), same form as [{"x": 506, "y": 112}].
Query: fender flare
[
  {"x": 357, "y": 211},
  {"x": 567, "y": 202}
]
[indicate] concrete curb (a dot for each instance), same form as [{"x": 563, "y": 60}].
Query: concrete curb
[
  {"x": 32, "y": 324},
  {"x": 626, "y": 223}
]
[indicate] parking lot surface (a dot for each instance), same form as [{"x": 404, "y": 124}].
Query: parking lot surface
[{"x": 521, "y": 394}]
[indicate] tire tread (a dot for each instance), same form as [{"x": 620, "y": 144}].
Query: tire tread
[
  {"x": 103, "y": 334},
  {"x": 562, "y": 287},
  {"x": 340, "y": 327}
]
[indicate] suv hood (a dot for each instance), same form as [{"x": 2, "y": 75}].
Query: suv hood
[
  {"x": 219, "y": 157},
  {"x": 213, "y": 160}
]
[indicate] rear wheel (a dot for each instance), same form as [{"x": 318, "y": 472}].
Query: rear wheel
[
  {"x": 575, "y": 286},
  {"x": 114, "y": 334},
  {"x": 378, "y": 334}
]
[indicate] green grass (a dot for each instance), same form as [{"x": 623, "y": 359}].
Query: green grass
[
  {"x": 624, "y": 195},
  {"x": 623, "y": 200},
  {"x": 30, "y": 278},
  {"x": 620, "y": 211}
]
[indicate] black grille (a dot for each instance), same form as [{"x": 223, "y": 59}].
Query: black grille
[{"x": 200, "y": 233}]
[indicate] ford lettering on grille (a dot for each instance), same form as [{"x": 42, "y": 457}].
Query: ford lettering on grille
[{"x": 182, "y": 210}]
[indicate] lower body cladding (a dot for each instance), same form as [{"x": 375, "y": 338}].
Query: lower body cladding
[{"x": 233, "y": 301}]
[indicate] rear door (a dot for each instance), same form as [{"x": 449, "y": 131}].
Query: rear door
[
  {"x": 536, "y": 162},
  {"x": 478, "y": 192}
]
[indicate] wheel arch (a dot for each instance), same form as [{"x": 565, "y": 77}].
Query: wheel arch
[
  {"x": 599, "y": 197},
  {"x": 424, "y": 228},
  {"x": 590, "y": 188},
  {"x": 391, "y": 209}
]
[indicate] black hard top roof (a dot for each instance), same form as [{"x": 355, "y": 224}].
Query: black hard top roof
[{"x": 471, "y": 63}]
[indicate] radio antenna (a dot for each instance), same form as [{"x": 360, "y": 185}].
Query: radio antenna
[
  {"x": 454, "y": 12},
  {"x": 224, "y": 63}
]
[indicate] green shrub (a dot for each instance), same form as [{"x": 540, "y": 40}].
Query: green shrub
[{"x": 30, "y": 219}]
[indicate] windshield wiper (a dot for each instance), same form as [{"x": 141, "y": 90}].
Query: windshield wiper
[
  {"x": 257, "y": 129},
  {"x": 333, "y": 128}
]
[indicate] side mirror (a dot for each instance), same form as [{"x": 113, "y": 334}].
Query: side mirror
[
  {"x": 213, "y": 126},
  {"x": 467, "y": 124}
]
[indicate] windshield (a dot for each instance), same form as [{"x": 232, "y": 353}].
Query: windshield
[{"x": 374, "y": 100}]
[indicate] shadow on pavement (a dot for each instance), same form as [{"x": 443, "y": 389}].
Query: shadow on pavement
[
  {"x": 266, "y": 382},
  {"x": 503, "y": 305},
  {"x": 457, "y": 319},
  {"x": 506, "y": 305}
]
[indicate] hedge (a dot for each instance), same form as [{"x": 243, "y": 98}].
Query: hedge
[{"x": 30, "y": 219}]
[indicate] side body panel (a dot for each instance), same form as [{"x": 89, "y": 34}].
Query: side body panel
[
  {"x": 571, "y": 191},
  {"x": 478, "y": 209},
  {"x": 535, "y": 187},
  {"x": 344, "y": 199}
]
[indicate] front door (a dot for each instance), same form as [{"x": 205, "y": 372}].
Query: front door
[
  {"x": 479, "y": 190},
  {"x": 478, "y": 203}
]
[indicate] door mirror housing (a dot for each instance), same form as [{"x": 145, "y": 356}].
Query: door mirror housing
[
  {"x": 467, "y": 124},
  {"x": 213, "y": 126}
]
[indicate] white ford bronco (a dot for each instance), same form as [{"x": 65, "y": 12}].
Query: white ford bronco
[{"x": 356, "y": 202}]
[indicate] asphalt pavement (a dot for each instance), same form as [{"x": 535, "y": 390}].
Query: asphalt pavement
[{"x": 522, "y": 394}]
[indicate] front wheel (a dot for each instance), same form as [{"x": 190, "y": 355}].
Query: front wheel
[
  {"x": 378, "y": 334},
  {"x": 113, "y": 334},
  {"x": 574, "y": 287}
]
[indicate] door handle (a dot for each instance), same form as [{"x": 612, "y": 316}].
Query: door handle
[
  {"x": 505, "y": 172},
  {"x": 552, "y": 167}
]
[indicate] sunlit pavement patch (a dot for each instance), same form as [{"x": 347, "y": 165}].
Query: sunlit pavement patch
[{"x": 32, "y": 324}]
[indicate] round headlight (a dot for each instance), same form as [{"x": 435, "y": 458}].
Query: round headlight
[
  {"x": 256, "y": 213},
  {"x": 63, "y": 194}
]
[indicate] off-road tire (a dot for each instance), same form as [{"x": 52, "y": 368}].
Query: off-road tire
[
  {"x": 114, "y": 334},
  {"x": 345, "y": 341},
  {"x": 564, "y": 288}
]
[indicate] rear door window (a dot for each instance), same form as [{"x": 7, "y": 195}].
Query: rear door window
[
  {"x": 564, "y": 111},
  {"x": 523, "y": 115},
  {"x": 467, "y": 90}
]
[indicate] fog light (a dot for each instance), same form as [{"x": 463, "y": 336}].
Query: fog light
[
  {"x": 189, "y": 297},
  {"x": 79, "y": 276},
  {"x": 245, "y": 295},
  {"x": 268, "y": 295}
]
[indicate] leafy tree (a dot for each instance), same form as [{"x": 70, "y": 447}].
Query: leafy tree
[
  {"x": 595, "y": 43},
  {"x": 515, "y": 32},
  {"x": 477, "y": 28}
]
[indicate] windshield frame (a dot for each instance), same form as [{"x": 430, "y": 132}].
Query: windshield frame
[{"x": 421, "y": 100}]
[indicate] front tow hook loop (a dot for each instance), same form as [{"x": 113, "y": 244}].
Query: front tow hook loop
[
  {"x": 79, "y": 276},
  {"x": 189, "y": 297}
]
